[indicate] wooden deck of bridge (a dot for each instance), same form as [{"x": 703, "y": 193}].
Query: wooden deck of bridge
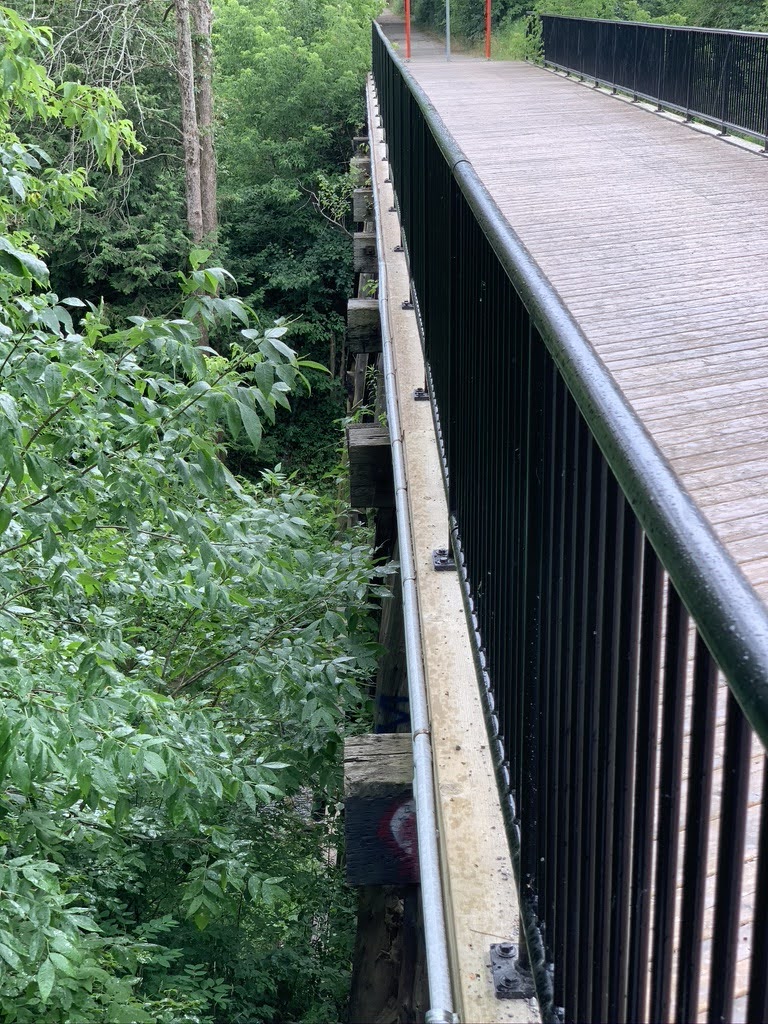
[{"x": 654, "y": 235}]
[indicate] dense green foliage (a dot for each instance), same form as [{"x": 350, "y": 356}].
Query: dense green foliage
[
  {"x": 289, "y": 78},
  {"x": 288, "y": 81},
  {"x": 179, "y": 649}
]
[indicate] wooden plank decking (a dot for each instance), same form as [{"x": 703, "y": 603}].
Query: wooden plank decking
[{"x": 654, "y": 235}]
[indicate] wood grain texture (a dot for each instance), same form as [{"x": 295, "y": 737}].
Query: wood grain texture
[{"x": 370, "y": 466}]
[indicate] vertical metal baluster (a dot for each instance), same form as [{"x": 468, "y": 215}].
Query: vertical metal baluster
[
  {"x": 531, "y": 622},
  {"x": 604, "y": 699},
  {"x": 551, "y": 802},
  {"x": 568, "y": 487},
  {"x": 575, "y": 708},
  {"x": 603, "y": 771},
  {"x": 668, "y": 832},
  {"x": 626, "y": 672},
  {"x": 730, "y": 862},
  {"x": 689, "y": 50},
  {"x": 520, "y": 433},
  {"x": 593, "y": 752},
  {"x": 587, "y": 725},
  {"x": 757, "y": 1008},
  {"x": 700, "y": 770},
  {"x": 645, "y": 784}
]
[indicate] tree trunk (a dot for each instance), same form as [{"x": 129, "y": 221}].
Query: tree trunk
[
  {"x": 189, "y": 125},
  {"x": 202, "y": 23}
]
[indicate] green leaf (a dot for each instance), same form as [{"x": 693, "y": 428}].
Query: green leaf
[
  {"x": 10, "y": 957},
  {"x": 10, "y": 73},
  {"x": 155, "y": 764},
  {"x": 46, "y": 977},
  {"x": 198, "y": 256},
  {"x": 254, "y": 886},
  {"x": 22, "y": 264},
  {"x": 50, "y": 544},
  {"x": 62, "y": 964},
  {"x": 11, "y": 264},
  {"x": 252, "y": 425},
  {"x": 17, "y": 185}
]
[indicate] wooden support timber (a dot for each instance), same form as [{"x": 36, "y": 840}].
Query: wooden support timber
[
  {"x": 364, "y": 252},
  {"x": 379, "y": 813},
  {"x": 360, "y": 169},
  {"x": 362, "y": 205},
  {"x": 370, "y": 466},
  {"x": 363, "y": 326}
]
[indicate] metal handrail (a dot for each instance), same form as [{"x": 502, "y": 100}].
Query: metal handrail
[
  {"x": 659, "y": 25},
  {"x": 711, "y": 75},
  {"x": 730, "y": 615},
  {"x": 579, "y": 552}
]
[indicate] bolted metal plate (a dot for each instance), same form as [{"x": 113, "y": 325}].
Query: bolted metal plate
[
  {"x": 510, "y": 981},
  {"x": 442, "y": 560},
  {"x": 420, "y": 395}
]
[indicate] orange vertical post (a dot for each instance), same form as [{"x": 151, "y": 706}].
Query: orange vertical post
[
  {"x": 407, "y": 29},
  {"x": 488, "y": 29}
]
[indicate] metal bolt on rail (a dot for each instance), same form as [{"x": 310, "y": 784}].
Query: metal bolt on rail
[
  {"x": 510, "y": 979},
  {"x": 442, "y": 560}
]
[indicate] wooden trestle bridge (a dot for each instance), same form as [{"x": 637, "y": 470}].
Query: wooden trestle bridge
[{"x": 586, "y": 252}]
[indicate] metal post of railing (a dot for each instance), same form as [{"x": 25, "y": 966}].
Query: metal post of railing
[
  {"x": 447, "y": 29},
  {"x": 725, "y": 82},
  {"x": 690, "y": 50}
]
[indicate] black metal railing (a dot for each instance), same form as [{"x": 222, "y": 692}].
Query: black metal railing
[
  {"x": 713, "y": 76},
  {"x": 601, "y": 606}
]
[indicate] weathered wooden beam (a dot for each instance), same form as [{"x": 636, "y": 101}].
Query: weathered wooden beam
[
  {"x": 364, "y": 252},
  {"x": 389, "y": 975},
  {"x": 360, "y": 169},
  {"x": 362, "y": 205},
  {"x": 363, "y": 326},
  {"x": 370, "y": 466},
  {"x": 379, "y": 813}
]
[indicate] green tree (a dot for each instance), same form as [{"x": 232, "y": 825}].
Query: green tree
[{"x": 179, "y": 649}]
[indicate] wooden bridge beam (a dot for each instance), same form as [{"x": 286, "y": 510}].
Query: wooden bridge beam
[
  {"x": 363, "y": 326},
  {"x": 370, "y": 466}
]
